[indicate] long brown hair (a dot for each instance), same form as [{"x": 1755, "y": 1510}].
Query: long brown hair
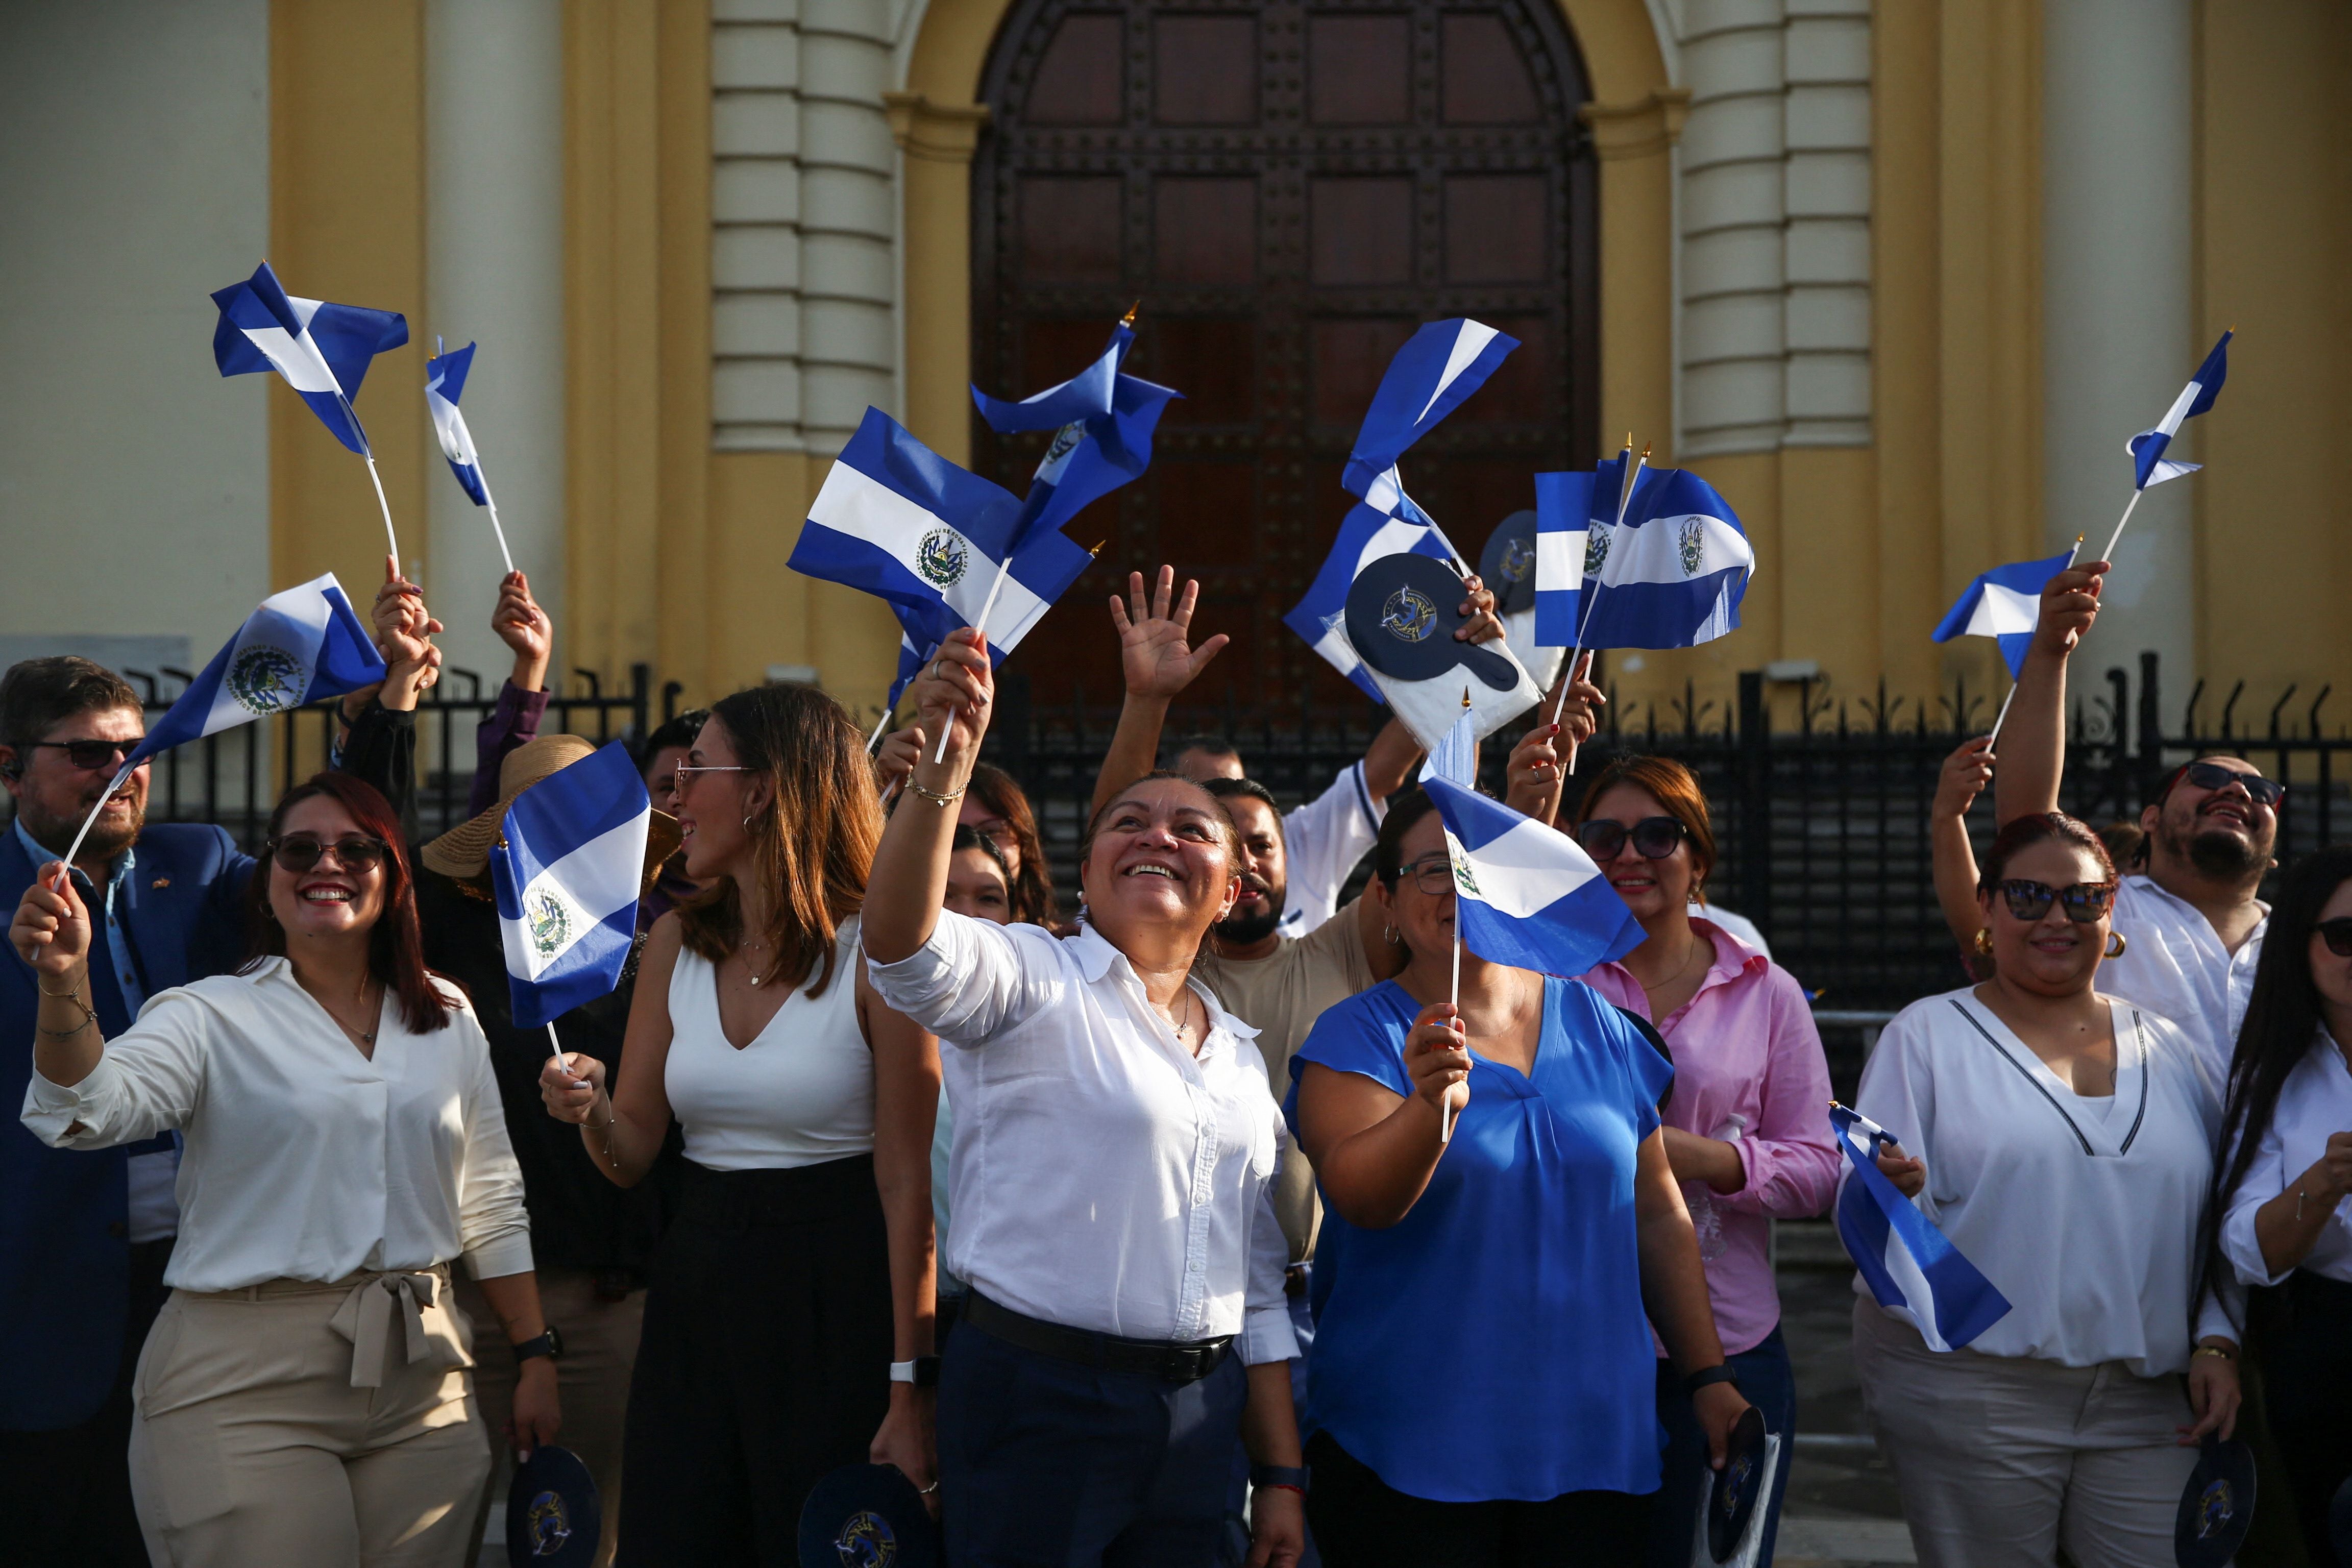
[
  {"x": 395, "y": 947},
  {"x": 1032, "y": 892},
  {"x": 1672, "y": 786},
  {"x": 813, "y": 845}
]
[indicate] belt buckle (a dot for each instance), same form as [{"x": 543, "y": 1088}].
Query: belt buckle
[{"x": 1181, "y": 1364}]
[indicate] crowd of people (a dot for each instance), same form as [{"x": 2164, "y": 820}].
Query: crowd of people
[{"x": 1223, "y": 1217}]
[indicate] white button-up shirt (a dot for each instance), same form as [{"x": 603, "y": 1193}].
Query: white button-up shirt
[
  {"x": 2175, "y": 966},
  {"x": 304, "y": 1159},
  {"x": 2315, "y": 1102},
  {"x": 1103, "y": 1178},
  {"x": 1321, "y": 842}
]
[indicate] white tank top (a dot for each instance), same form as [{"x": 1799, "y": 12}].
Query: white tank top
[{"x": 800, "y": 1094}]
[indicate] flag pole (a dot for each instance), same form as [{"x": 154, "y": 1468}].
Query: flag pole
[
  {"x": 65, "y": 868},
  {"x": 1445, "y": 1107},
  {"x": 489, "y": 500},
  {"x": 1584, "y": 608},
  {"x": 367, "y": 450},
  {"x": 2118, "y": 533},
  {"x": 2003, "y": 717},
  {"x": 1003, "y": 568},
  {"x": 875, "y": 739}
]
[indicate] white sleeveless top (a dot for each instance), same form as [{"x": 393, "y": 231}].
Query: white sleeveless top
[{"x": 800, "y": 1094}]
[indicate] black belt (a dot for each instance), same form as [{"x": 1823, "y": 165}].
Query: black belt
[{"x": 1187, "y": 1362}]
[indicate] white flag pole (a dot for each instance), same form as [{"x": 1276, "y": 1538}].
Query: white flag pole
[
  {"x": 391, "y": 540},
  {"x": 2118, "y": 533},
  {"x": 875, "y": 739},
  {"x": 1584, "y": 608},
  {"x": 1445, "y": 1107},
  {"x": 2003, "y": 717},
  {"x": 65, "y": 868},
  {"x": 491, "y": 501}
]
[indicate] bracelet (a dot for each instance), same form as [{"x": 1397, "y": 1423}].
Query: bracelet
[
  {"x": 89, "y": 1016},
  {"x": 2215, "y": 1350},
  {"x": 941, "y": 801},
  {"x": 1721, "y": 1371}
]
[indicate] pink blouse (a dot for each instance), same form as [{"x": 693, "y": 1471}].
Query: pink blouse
[{"x": 1748, "y": 1071}]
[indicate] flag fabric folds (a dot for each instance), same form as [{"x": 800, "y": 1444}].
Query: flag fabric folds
[
  {"x": 1086, "y": 396},
  {"x": 1455, "y": 759},
  {"x": 1365, "y": 536},
  {"x": 1526, "y": 894},
  {"x": 1563, "y": 524},
  {"x": 2003, "y": 604},
  {"x": 1911, "y": 1267},
  {"x": 1437, "y": 368},
  {"x": 1673, "y": 575},
  {"x": 445, "y": 382},
  {"x": 567, "y": 870},
  {"x": 1102, "y": 421},
  {"x": 303, "y": 645},
  {"x": 2150, "y": 465},
  {"x": 323, "y": 351}
]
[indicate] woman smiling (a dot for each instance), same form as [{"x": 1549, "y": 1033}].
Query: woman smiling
[{"x": 1121, "y": 1248}]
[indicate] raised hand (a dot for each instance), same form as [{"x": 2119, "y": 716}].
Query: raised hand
[
  {"x": 1533, "y": 779},
  {"x": 1154, "y": 652},
  {"x": 1437, "y": 1058},
  {"x": 2070, "y": 603},
  {"x": 901, "y": 749},
  {"x": 523, "y": 626},
  {"x": 1477, "y": 610},
  {"x": 51, "y": 931},
  {"x": 952, "y": 698},
  {"x": 1963, "y": 777},
  {"x": 1580, "y": 715}
]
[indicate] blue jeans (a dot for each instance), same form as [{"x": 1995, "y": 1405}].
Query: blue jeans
[{"x": 1767, "y": 1382}]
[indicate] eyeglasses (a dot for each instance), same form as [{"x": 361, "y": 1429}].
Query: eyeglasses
[
  {"x": 2214, "y": 776},
  {"x": 2337, "y": 935},
  {"x": 2086, "y": 902},
  {"x": 89, "y": 756},
  {"x": 1653, "y": 838},
  {"x": 1433, "y": 874},
  {"x": 685, "y": 774},
  {"x": 352, "y": 853}
]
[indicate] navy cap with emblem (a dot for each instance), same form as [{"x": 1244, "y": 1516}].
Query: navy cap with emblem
[
  {"x": 1402, "y": 617},
  {"x": 553, "y": 1519},
  {"x": 2217, "y": 1506},
  {"x": 867, "y": 1516},
  {"x": 1733, "y": 1491},
  {"x": 1507, "y": 565}
]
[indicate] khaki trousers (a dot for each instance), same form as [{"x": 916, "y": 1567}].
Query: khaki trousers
[
  {"x": 298, "y": 1422},
  {"x": 600, "y": 1350},
  {"x": 2000, "y": 1461}
]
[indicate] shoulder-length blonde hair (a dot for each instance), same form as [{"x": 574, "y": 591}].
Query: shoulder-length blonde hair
[{"x": 814, "y": 844}]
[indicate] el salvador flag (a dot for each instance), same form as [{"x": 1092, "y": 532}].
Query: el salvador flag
[
  {"x": 1439, "y": 366},
  {"x": 1102, "y": 421},
  {"x": 568, "y": 867},
  {"x": 323, "y": 351},
  {"x": 896, "y": 520},
  {"x": 302, "y": 646},
  {"x": 445, "y": 382},
  {"x": 1563, "y": 525},
  {"x": 1910, "y": 1267},
  {"x": 2004, "y": 605},
  {"x": 1086, "y": 396},
  {"x": 1673, "y": 575},
  {"x": 2150, "y": 465},
  {"x": 1527, "y": 895},
  {"x": 1366, "y": 535}
]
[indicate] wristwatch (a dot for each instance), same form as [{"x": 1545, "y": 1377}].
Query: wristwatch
[
  {"x": 549, "y": 1343},
  {"x": 923, "y": 1372},
  {"x": 1721, "y": 1371}
]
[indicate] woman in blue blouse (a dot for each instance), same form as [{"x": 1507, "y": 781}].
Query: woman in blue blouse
[{"x": 1482, "y": 1387}]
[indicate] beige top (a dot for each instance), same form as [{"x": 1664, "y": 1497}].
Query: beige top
[{"x": 1281, "y": 996}]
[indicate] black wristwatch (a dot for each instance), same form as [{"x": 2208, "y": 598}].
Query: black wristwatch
[
  {"x": 549, "y": 1343},
  {"x": 1278, "y": 1476},
  {"x": 1721, "y": 1371},
  {"x": 923, "y": 1372}
]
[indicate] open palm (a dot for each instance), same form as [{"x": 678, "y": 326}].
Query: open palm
[{"x": 1154, "y": 648}]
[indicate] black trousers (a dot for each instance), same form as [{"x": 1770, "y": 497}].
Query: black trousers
[
  {"x": 765, "y": 1363},
  {"x": 2305, "y": 1347},
  {"x": 1361, "y": 1521},
  {"x": 65, "y": 1496}
]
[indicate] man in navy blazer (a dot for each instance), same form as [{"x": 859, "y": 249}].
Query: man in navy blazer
[{"x": 85, "y": 1234}]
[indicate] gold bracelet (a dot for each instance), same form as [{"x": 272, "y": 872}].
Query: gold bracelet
[
  {"x": 89, "y": 1016},
  {"x": 941, "y": 801},
  {"x": 2214, "y": 1350}
]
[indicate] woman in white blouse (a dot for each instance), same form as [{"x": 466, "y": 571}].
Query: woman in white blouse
[
  {"x": 2063, "y": 1141},
  {"x": 2280, "y": 1214},
  {"x": 1114, "y": 1138},
  {"x": 303, "y": 1396}
]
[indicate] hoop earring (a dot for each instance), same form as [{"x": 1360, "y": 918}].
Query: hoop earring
[
  {"x": 1984, "y": 941},
  {"x": 2117, "y": 944},
  {"x": 1389, "y": 935},
  {"x": 747, "y": 824}
]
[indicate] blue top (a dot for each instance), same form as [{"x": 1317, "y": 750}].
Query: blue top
[{"x": 1492, "y": 1344}]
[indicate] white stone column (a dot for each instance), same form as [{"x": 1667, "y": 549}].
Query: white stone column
[
  {"x": 2117, "y": 339},
  {"x": 494, "y": 274}
]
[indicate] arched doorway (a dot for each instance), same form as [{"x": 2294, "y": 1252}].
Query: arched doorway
[{"x": 1289, "y": 188}]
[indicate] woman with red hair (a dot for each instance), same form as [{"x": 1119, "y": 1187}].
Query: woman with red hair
[{"x": 304, "y": 1395}]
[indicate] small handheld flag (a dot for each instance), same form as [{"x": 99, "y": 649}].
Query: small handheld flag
[
  {"x": 2004, "y": 603},
  {"x": 1672, "y": 574},
  {"x": 1527, "y": 895},
  {"x": 303, "y": 645},
  {"x": 1438, "y": 367},
  {"x": 324, "y": 351},
  {"x": 568, "y": 868},
  {"x": 444, "y": 383},
  {"x": 1563, "y": 528},
  {"x": 1455, "y": 759},
  {"x": 2150, "y": 465},
  {"x": 1366, "y": 535},
  {"x": 1909, "y": 1265}
]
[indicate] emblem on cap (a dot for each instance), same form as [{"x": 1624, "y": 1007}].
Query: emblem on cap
[
  {"x": 2215, "y": 1507},
  {"x": 941, "y": 557},
  {"x": 549, "y": 1524},
  {"x": 1692, "y": 542},
  {"x": 1407, "y": 616},
  {"x": 262, "y": 679},
  {"x": 867, "y": 1540},
  {"x": 1519, "y": 560},
  {"x": 550, "y": 922}
]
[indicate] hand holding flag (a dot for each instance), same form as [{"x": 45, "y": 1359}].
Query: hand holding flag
[
  {"x": 2005, "y": 605},
  {"x": 1908, "y": 1264},
  {"x": 568, "y": 869}
]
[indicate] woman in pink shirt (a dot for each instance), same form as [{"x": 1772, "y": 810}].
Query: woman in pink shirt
[{"x": 1747, "y": 1123}]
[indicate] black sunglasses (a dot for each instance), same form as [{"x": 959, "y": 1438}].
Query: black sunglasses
[
  {"x": 2337, "y": 934},
  {"x": 1653, "y": 838},
  {"x": 304, "y": 850},
  {"x": 2084, "y": 901},
  {"x": 91, "y": 755},
  {"x": 2214, "y": 776}
]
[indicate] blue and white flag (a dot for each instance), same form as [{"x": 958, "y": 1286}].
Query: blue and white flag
[
  {"x": 1563, "y": 525},
  {"x": 1673, "y": 575},
  {"x": 2003, "y": 604},
  {"x": 897, "y": 520},
  {"x": 1527, "y": 895},
  {"x": 1455, "y": 759},
  {"x": 1911, "y": 1267},
  {"x": 444, "y": 383},
  {"x": 323, "y": 351},
  {"x": 1086, "y": 396},
  {"x": 1102, "y": 421},
  {"x": 1439, "y": 366},
  {"x": 2150, "y": 465},
  {"x": 568, "y": 867},
  {"x": 1365, "y": 535},
  {"x": 302, "y": 646}
]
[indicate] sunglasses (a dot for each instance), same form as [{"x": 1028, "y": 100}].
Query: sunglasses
[
  {"x": 2337, "y": 934},
  {"x": 2086, "y": 902},
  {"x": 352, "y": 853},
  {"x": 89, "y": 756},
  {"x": 685, "y": 774},
  {"x": 1653, "y": 838},
  {"x": 2214, "y": 776}
]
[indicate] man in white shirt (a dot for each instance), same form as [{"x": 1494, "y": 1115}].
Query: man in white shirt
[{"x": 2191, "y": 926}]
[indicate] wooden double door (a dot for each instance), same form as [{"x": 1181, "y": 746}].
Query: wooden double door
[{"x": 1289, "y": 189}]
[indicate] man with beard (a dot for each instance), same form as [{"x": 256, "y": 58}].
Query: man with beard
[{"x": 2190, "y": 925}]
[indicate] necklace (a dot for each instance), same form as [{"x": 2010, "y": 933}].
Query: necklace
[{"x": 747, "y": 963}]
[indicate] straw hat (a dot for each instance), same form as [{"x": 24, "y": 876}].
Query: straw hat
[{"x": 464, "y": 852}]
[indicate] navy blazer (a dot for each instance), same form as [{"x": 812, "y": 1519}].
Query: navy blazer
[{"x": 65, "y": 1253}]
